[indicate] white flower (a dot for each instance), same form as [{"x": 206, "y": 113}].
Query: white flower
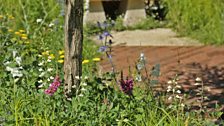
[
  {"x": 50, "y": 69},
  {"x": 178, "y": 86},
  {"x": 40, "y": 69},
  {"x": 39, "y": 20},
  {"x": 9, "y": 68},
  {"x": 51, "y": 25},
  {"x": 48, "y": 79},
  {"x": 198, "y": 79},
  {"x": 170, "y": 98},
  {"x": 169, "y": 82},
  {"x": 84, "y": 84},
  {"x": 179, "y": 97},
  {"x": 40, "y": 81},
  {"x": 83, "y": 89},
  {"x": 18, "y": 60},
  {"x": 41, "y": 63},
  {"x": 80, "y": 95},
  {"x": 86, "y": 77},
  {"x": 16, "y": 80},
  {"x": 6, "y": 63},
  {"x": 51, "y": 77},
  {"x": 74, "y": 86},
  {"x": 197, "y": 84},
  {"x": 40, "y": 86},
  {"x": 77, "y": 77},
  {"x": 14, "y": 53},
  {"x": 178, "y": 91},
  {"x": 169, "y": 87},
  {"x": 42, "y": 74},
  {"x": 48, "y": 60},
  {"x": 182, "y": 105}
]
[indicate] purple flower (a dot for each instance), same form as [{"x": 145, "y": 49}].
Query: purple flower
[
  {"x": 53, "y": 86},
  {"x": 102, "y": 49},
  {"x": 126, "y": 86},
  {"x": 106, "y": 34}
]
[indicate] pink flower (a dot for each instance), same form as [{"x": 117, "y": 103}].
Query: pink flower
[
  {"x": 53, "y": 86},
  {"x": 126, "y": 86}
]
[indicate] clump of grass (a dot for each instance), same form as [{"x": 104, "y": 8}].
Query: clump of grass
[{"x": 200, "y": 19}]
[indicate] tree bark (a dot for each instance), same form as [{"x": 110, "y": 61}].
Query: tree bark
[{"x": 73, "y": 46}]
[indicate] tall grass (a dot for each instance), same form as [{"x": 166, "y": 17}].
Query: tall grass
[{"x": 201, "y": 19}]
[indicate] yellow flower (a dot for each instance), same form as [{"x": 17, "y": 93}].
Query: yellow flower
[
  {"x": 45, "y": 53},
  {"x": 24, "y": 38},
  {"x": 51, "y": 56},
  {"x": 62, "y": 56},
  {"x": 21, "y": 31},
  {"x": 23, "y": 35},
  {"x": 61, "y": 61},
  {"x": 85, "y": 61},
  {"x": 11, "y": 17},
  {"x": 10, "y": 30},
  {"x": 26, "y": 42},
  {"x": 61, "y": 52},
  {"x": 96, "y": 59},
  {"x": 17, "y": 33},
  {"x": 1, "y": 16}
]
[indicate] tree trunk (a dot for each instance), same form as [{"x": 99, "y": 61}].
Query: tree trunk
[{"x": 73, "y": 46}]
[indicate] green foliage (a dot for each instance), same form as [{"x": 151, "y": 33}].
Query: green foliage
[{"x": 201, "y": 19}]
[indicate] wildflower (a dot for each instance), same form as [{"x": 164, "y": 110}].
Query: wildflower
[
  {"x": 170, "y": 98},
  {"x": 62, "y": 56},
  {"x": 26, "y": 42},
  {"x": 178, "y": 91},
  {"x": 42, "y": 74},
  {"x": 40, "y": 69},
  {"x": 48, "y": 60},
  {"x": 48, "y": 79},
  {"x": 106, "y": 34},
  {"x": 41, "y": 63},
  {"x": 77, "y": 77},
  {"x": 102, "y": 49},
  {"x": 23, "y": 35},
  {"x": 96, "y": 59},
  {"x": 51, "y": 77},
  {"x": 18, "y": 60},
  {"x": 15, "y": 71},
  {"x": 51, "y": 25},
  {"x": 24, "y": 38},
  {"x": 10, "y": 17},
  {"x": 40, "y": 81},
  {"x": 197, "y": 84},
  {"x": 50, "y": 69},
  {"x": 21, "y": 31},
  {"x": 61, "y": 52},
  {"x": 198, "y": 79},
  {"x": 45, "y": 53},
  {"x": 80, "y": 95},
  {"x": 61, "y": 61},
  {"x": 85, "y": 61},
  {"x": 178, "y": 97},
  {"x": 83, "y": 89},
  {"x": 84, "y": 84},
  {"x": 126, "y": 86},
  {"x": 51, "y": 56},
  {"x": 17, "y": 33},
  {"x": 39, "y": 20},
  {"x": 10, "y": 30},
  {"x": 53, "y": 86},
  {"x": 169, "y": 82}
]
